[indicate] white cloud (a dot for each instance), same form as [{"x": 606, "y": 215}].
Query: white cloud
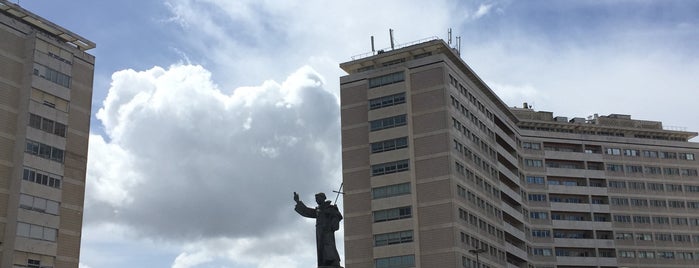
[
  {"x": 483, "y": 9},
  {"x": 186, "y": 162}
]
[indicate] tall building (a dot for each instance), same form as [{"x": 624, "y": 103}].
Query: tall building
[
  {"x": 439, "y": 172},
  {"x": 45, "y": 102}
]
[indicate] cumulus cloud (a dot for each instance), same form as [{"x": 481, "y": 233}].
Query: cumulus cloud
[{"x": 185, "y": 161}]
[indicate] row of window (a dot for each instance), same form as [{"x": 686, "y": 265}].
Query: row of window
[
  {"x": 387, "y": 101},
  {"x": 47, "y": 125},
  {"x": 473, "y": 117},
  {"x": 660, "y": 203},
  {"x": 38, "y": 232},
  {"x": 479, "y": 162},
  {"x": 600, "y": 133},
  {"x": 38, "y": 204},
  {"x": 468, "y": 95},
  {"x": 43, "y": 178},
  {"x": 393, "y": 238},
  {"x": 479, "y": 202},
  {"x": 667, "y": 237},
  {"x": 395, "y": 262},
  {"x": 390, "y": 167},
  {"x": 389, "y": 145},
  {"x": 44, "y": 151},
  {"x": 652, "y": 186},
  {"x": 644, "y": 219},
  {"x": 461, "y": 127},
  {"x": 481, "y": 224},
  {"x": 52, "y": 75},
  {"x": 388, "y": 79},
  {"x": 475, "y": 243},
  {"x": 388, "y": 122},
  {"x": 649, "y": 154},
  {"x": 652, "y": 170},
  {"x": 390, "y": 190},
  {"x": 643, "y": 254},
  {"x": 393, "y": 214}
]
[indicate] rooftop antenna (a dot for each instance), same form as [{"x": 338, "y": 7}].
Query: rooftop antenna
[
  {"x": 458, "y": 45},
  {"x": 390, "y": 33},
  {"x": 373, "y": 51},
  {"x": 449, "y": 37}
]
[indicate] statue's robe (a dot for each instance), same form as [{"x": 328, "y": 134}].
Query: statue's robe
[{"x": 328, "y": 219}]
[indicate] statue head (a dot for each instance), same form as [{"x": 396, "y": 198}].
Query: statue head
[{"x": 320, "y": 198}]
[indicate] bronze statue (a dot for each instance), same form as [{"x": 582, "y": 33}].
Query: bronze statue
[{"x": 328, "y": 219}]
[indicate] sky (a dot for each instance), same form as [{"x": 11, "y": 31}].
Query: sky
[{"x": 208, "y": 114}]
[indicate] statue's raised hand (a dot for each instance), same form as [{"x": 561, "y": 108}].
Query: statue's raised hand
[{"x": 296, "y": 197}]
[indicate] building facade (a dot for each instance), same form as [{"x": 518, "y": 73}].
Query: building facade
[
  {"x": 439, "y": 172},
  {"x": 45, "y": 101}
]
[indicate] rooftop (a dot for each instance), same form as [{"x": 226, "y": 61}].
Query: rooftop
[{"x": 43, "y": 24}]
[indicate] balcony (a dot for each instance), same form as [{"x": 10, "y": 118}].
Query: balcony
[
  {"x": 514, "y": 195},
  {"x": 582, "y": 224},
  {"x": 583, "y": 243},
  {"x": 573, "y": 156},
  {"x": 512, "y": 212},
  {"x": 579, "y": 207},
  {"x": 569, "y": 172},
  {"x": 514, "y": 250},
  {"x": 514, "y": 231},
  {"x": 587, "y": 261}
]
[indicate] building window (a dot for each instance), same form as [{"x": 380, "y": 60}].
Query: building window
[
  {"x": 38, "y": 204},
  {"x": 627, "y": 254},
  {"x": 646, "y": 254},
  {"x": 533, "y": 163},
  {"x": 681, "y": 238},
  {"x": 686, "y": 156},
  {"x": 675, "y": 203},
  {"x": 535, "y": 180},
  {"x": 389, "y": 145},
  {"x": 41, "y": 177},
  {"x": 52, "y": 75},
  {"x": 658, "y": 187},
  {"x": 637, "y": 185},
  {"x": 395, "y": 262},
  {"x": 388, "y": 122},
  {"x": 37, "y": 232},
  {"x": 653, "y": 170},
  {"x": 668, "y": 155},
  {"x": 393, "y": 214},
  {"x": 671, "y": 171},
  {"x": 539, "y": 215},
  {"x": 390, "y": 190},
  {"x": 688, "y": 172},
  {"x": 641, "y": 219},
  {"x": 622, "y": 218},
  {"x": 615, "y": 168},
  {"x": 393, "y": 238},
  {"x": 537, "y": 197},
  {"x": 658, "y": 203},
  {"x": 619, "y": 201},
  {"x": 631, "y": 152},
  {"x": 387, "y": 101},
  {"x": 541, "y": 251},
  {"x": 390, "y": 167},
  {"x": 663, "y": 237},
  {"x": 531, "y": 145},
  {"x": 673, "y": 187},
  {"x": 639, "y": 202},
  {"x": 613, "y": 151},
  {"x": 386, "y": 79},
  {"x": 680, "y": 221},
  {"x": 634, "y": 169},
  {"x": 44, "y": 151},
  {"x": 47, "y": 125},
  {"x": 617, "y": 184},
  {"x": 623, "y": 236},
  {"x": 541, "y": 233},
  {"x": 661, "y": 220},
  {"x": 650, "y": 154}
]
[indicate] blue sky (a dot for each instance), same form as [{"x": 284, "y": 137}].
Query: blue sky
[{"x": 208, "y": 114}]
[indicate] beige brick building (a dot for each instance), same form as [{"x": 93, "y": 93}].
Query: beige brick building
[
  {"x": 45, "y": 101},
  {"x": 436, "y": 168}
]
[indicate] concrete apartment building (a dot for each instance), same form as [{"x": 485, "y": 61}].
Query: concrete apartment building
[
  {"x": 439, "y": 172},
  {"x": 45, "y": 100}
]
